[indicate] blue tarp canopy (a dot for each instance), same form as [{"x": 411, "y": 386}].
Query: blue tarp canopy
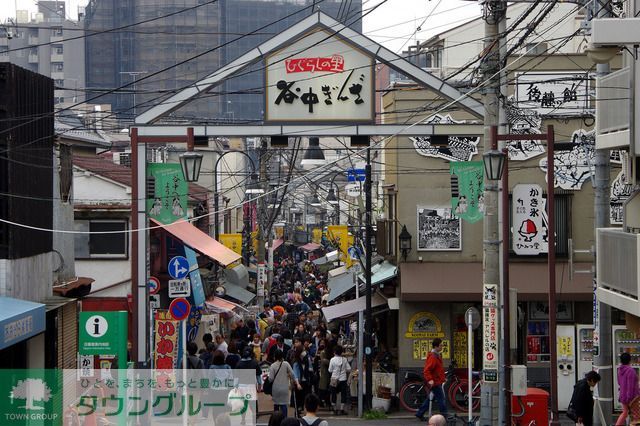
[{"x": 20, "y": 320}]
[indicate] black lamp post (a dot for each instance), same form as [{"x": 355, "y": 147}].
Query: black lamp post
[
  {"x": 191, "y": 162},
  {"x": 405, "y": 242},
  {"x": 493, "y": 164}
]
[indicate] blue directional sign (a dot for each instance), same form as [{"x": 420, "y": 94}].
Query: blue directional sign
[
  {"x": 178, "y": 267},
  {"x": 355, "y": 175},
  {"x": 354, "y": 253}
]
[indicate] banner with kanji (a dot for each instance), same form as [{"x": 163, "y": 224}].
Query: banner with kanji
[
  {"x": 165, "y": 351},
  {"x": 467, "y": 187},
  {"x": 339, "y": 236},
  {"x": 169, "y": 200},
  {"x": 316, "y": 235},
  {"x": 231, "y": 241}
]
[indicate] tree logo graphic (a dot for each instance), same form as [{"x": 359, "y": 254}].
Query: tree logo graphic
[{"x": 31, "y": 390}]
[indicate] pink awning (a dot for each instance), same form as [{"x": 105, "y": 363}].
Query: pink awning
[
  {"x": 200, "y": 242},
  {"x": 310, "y": 247},
  {"x": 221, "y": 305},
  {"x": 277, "y": 243}
]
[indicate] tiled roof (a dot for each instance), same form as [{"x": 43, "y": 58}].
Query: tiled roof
[{"x": 122, "y": 174}]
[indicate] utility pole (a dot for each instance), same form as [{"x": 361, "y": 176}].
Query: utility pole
[
  {"x": 603, "y": 362},
  {"x": 368, "y": 234},
  {"x": 262, "y": 222},
  {"x": 493, "y": 12}
]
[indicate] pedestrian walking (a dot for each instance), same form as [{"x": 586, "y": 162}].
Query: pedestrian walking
[
  {"x": 628, "y": 386},
  {"x": 582, "y": 399},
  {"x": 281, "y": 375},
  {"x": 339, "y": 369},
  {"x": 311, "y": 403},
  {"x": 434, "y": 377}
]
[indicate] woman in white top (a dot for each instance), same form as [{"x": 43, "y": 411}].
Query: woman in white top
[{"x": 339, "y": 369}]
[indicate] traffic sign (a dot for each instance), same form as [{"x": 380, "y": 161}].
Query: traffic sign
[
  {"x": 178, "y": 267},
  {"x": 154, "y": 285},
  {"x": 180, "y": 308},
  {"x": 354, "y": 253},
  {"x": 355, "y": 175},
  {"x": 472, "y": 316},
  {"x": 352, "y": 189},
  {"x": 180, "y": 288},
  {"x": 154, "y": 301}
]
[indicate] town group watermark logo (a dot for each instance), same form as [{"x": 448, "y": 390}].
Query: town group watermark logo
[{"x": 28, "y": 397}]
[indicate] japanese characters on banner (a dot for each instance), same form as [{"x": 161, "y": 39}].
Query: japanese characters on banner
[
  {"x": 490, "y": 329},
  {"x": 261, "y": 280},
  {"x": 529, "y": 220},
  {"x": 320, "y": 77},
  {"x": 165, "y": 351},
  {"x": 467, "y": 188},
  {"x": 553, "y": 93},
  {"x": 169, "y": 202},
  {"x": 421, "y": 349},
  {"x": 339, "y": 235},
  {"x": 231, "y": 241}
]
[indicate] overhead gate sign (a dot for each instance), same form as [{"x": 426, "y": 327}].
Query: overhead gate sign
[{"x": 320, "y": 78}]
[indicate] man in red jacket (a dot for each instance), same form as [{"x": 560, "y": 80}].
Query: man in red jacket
[{"x": 434, "y": 377}]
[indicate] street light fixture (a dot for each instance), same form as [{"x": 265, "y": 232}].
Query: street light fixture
[
  {"x": 191, "y": 162},
  {"x": 405, "y": 242},
  {"x": 253, "y": 188},
  {"x": 331, "y": 197},
  {"x": 313, "y": 156},
  {"x": 493, "y": 164},
  {"x": 315, "y": 201}
]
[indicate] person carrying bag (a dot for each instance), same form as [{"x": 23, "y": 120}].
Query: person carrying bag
[{"x": 339, "y": 369}]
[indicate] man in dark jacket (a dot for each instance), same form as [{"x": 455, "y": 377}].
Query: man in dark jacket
[{"x": 582, "y": 398}]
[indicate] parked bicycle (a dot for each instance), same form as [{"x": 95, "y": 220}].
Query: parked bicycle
[{"x": 414, "y": 391}]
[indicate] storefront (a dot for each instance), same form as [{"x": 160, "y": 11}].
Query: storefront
[
  {"x": 22, "y": 343},
  {"x": 435, "y": 296}
]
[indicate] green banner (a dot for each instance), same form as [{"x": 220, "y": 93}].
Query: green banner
[
  {"x": 169, "y": 202},
  {"x": 31, "y": 397},
  {"x": 467, "y": 189}
]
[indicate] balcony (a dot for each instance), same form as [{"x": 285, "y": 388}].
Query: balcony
[
  {"x": 33, "y": 59},
  {"x": 57, "y": 57},
  {"x": 612, "y": 118},
  {"x": 33, "y": 40},
  {"x": 57, "y": 75},
  {"x": 618, "y": 273}
]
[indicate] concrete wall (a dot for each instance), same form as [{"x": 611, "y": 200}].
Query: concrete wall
[{"x": 27, "y": 278}]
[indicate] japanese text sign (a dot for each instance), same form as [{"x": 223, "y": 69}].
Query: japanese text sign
[
  {"x": 166, "y": 341},
  {"x": 553, "y": 93},
  {"x": 168, "y": 203},
  {"x": 529, "y": 220},
  {"x": 103, "y": 333},
  {"x": 320, "y": 77},
  {"x": 490, "y": 332}
]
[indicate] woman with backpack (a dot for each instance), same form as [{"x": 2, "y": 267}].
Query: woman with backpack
[
  {"x": 339, "y": 369},
  {"x": 281, "y": 375}
]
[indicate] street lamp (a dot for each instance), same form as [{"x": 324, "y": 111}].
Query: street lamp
[
  {"x": 313, "y": 156},
  {"x": 331, "y": 197},
  {"x": 405, "y": 242},
  {"x": 191, "y": 162},
  {"x": 315, "y": 201},
  {"x": 493, "y": 164},
  {"x": 253, "y": 188}
]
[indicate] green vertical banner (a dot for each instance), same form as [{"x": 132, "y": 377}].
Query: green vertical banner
[
  {"x": 467, "y": 188},
  {"x": 169, "y": 202}
]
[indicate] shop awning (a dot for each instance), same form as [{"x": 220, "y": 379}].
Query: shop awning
[
  {"x": 200, "y": 242},
  {"x": 381, "y": 273},
  {"x": 238, "y": 293},
  {"x": 350, "y": 307},
  {"x": 220, "y": 305},
  {"x": 310, "y": 247},
  {"x": 20, "y": 320},
  {"x": 277, "y": 243},
  {"x": 332, "y": 256},
  {"x": 462, "y": 282},
  {"x": 339, "y": 285}
]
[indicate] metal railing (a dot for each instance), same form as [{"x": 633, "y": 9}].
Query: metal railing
[
  {"x": 612, "y": 94},
  {"x": 617, "y": 257}
]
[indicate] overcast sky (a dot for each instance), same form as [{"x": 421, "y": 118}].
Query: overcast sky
[{"x": 395, "y": 23}]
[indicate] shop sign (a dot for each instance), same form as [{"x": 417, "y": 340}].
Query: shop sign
[
  {"x": 180, "y": 288},
  {"x": 553, "y": 93},
  {"x": 422, "y": 347},
  {"x": 86, "y": 365},
  {"x": 211, "y": 323},
  {"x": 490, "y": 295},
  {"x": 565, "y": 347},
  {"x": 460, "y": 348},
  {"x": 319, "y": 78},
  {"x": 529, "y": 220},
  {"x": 261, "y": 281},
  {"x": 103, "y": 333},
  {"x": 165, "y": 352},
  {"x": 490, "y": 344},
  {"x": 424, "y": 325},
  {"x": 232, "y": 242},
  {"x": 169, "y": 200}
]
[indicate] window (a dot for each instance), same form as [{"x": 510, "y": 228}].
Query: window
[
  {"x": 56, "y": 31},
  {"x": 535, "y": 48},
  {"x": 57, "y": 66},
  {"x": 111, "y": 245},
  {"x": 58, "y": 50}
]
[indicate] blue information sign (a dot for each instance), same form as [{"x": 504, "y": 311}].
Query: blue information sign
[
  {"x": 356, "y": 175},
  {"x": 178, "y": 267}
]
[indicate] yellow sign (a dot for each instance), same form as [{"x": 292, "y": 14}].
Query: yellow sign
[
  {"x": 279, "y": 231},
  {"x": 232, "y": 241},
  {"x": 460, "y": 348},
  {"x": 254, "y": 241},
  {"x": 339, "y": 235},
  {"x": 422, "y": 347},
  {"x": 316, "y": 235},
  {"x": 424, "y": 325},
  {"x": 565, "y": 347}
]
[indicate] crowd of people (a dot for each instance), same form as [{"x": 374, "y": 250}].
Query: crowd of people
[{"x": 306, "y": 358}]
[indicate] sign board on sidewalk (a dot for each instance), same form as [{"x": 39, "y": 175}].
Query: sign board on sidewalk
[
  {"x": 103, "y": 333},
  {"x": 180, "y": 288}
]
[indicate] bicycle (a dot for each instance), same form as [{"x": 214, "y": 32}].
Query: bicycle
[
  {"x": 459, "y": 393},
  {"x": 414, "y": 391}
]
